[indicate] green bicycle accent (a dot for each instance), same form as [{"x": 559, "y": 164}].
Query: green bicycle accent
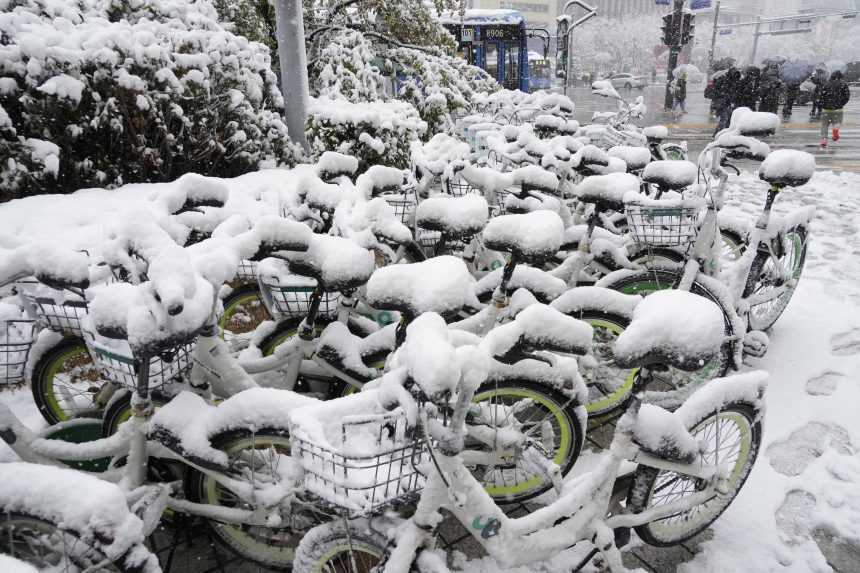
[
  {"x": 72, "y": 354},
  {"x": 239, "y": 304},
  {"x": 615, "y": 397},
  {"x": 563, "y": 447},
  {"x": 80, "y": 432}
]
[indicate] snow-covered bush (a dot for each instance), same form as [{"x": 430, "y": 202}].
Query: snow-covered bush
[
  {"x": 102, "y": 92},
  {"x": 376, "y": 133},
  {"x": 344, "y": 67}
]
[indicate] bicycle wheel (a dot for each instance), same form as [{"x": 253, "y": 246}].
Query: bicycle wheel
[
  {"x": 609, "y": 386},
  {"x": 66, "y": 382},
  {"x": 332, "y": 548},
  {"x": 243, "y": 310},
  {"x": 648, "y": 281},
  {"x": 543, "y": 413},
  {"x": 48, "y": 547},
  {"x": 732, "y": 246},
  {"x": 257, "y": 458},
  {"x": 731, "y": 435},
  {"x": 766, "y": 274}
]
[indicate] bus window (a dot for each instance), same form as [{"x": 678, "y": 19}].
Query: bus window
[
  {"x": 512, "y": 66},
  {"x": 491, "y": 59}
]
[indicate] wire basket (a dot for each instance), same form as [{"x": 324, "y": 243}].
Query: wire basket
[
  {"x": 403, "y": 203},
  {"x": 662, "y": 226},
  {"x": 293, "y": 299},
  {"x": 119, "y": 365},
  {"x": 358, "y": 485},
  {"x": 247, "y": 272},
  {"x": 16, "y": 340},
  {"x": 458, "y": 187},
  {"x": 64, "y": 317}
]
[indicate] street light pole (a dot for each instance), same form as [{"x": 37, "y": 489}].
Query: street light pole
[
  {"x": 756, "y": 34},
  {"x": 714, "y": 37},
  {"x": 294, "y": 67},
  {"x": 674, "y": 50}
]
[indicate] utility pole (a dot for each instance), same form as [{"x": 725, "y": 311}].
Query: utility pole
[
  {"x": 755, "y": 39},
  {"x": 674, "y": 49},
  {"x": 714, "y": 37},
  {"x": 294, "y": 67},
  {"x": 590, "y": 12}
]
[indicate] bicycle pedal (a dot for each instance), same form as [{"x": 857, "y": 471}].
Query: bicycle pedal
[{"x": 756, "y": 343}]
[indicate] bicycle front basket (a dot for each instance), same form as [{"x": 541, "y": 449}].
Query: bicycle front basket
[
  {"x": 291, "y": 296},
  {"x": 374, "y": 466},
  {"x": 64, "y": 317},
  {"x": 16, "y": 340},
  {"x": 403, "y": 204},
  {"x": 670, "y": 225},
  {"x": 118, "y": 364}
]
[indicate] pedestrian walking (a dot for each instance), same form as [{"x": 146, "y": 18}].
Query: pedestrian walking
[
  {"x": 725, "y": 93},
  {"x": 679, "y": 95},
  {"x": 791, "y": 91},
  {"x": 818, "y": 79},
  {"x": 834, "y": 96},
  {"x": 748, "y": 89},
  {"x": 770, "y": 88}
]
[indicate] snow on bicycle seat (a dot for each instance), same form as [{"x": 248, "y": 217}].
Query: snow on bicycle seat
[
  {"x": 540, "y": 283},
  {"x": 591, "y": 156},
  {"x": 787, "y": 167},
  {"x": 673, "y": 175},
  {"x": 530, "y": 237},
  {"x": 92, "y": 508},
  {"x": 753, "y": 123},
  {"x": 325, "y": 196},
  {"x": 607, "y": 191},
  {"x": 539, "y": 327},
  {"x": 379, "y": 179},
  {"x": 662, "y": 433},
  {"x": 339, "y": 348},
  {"x": 52, "y": 264},
  {"x": 332, "y": 165},
  {"x": 674, "y": 328},
  {"x": 338, "y": 264},
  {"x": 454, "y": 216},
  {"x": 656, "y": 132},
  {"x": 743, "y": 147},
  {"x": 442, "y": 285},
  {"x": 252, "y": 408},
  {"x": 636, "y": 158}
]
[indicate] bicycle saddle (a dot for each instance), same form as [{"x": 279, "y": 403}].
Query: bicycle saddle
[
  {"x": 673, "y": 328},
  {"x": 336, "y": 263},
  {"x": 332, "y": 165},
  {"x": 656, "y": 133},
  {"x": 636, "y": 158},
  {"x": 787, "y": 167},
  {"x": 534, "y": 178},
  {"x": 325, "y": 196},
  {"x": 589, "y": 158},
  {"x": 379, "y": 179},
  {"x": 539, "y": 327},
  {"x": 453, "y": 216},
  {"x": 607, "y": 191},
  {"x": 442, "y": 285},
  {"x": 58, "y": 267},
  {"x": 530, "y": 237},
  {"x": 671, "y": 175}
]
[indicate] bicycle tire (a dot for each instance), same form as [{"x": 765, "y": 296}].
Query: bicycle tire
[
  {"x": 733, "y": 245},
  {"x": 326, "y": 547},
  {"x": 571, "y": 433},
  {"x": 642, "y": 488},
  {"x": 65, "y": 357},
  {"x": 15, "y": 524},
  {"x": 759, "y": 268},
  {"x": 644, "y": 282},
  {"x": 248, "y": 542},
  {"x": 243, "y": 301}
]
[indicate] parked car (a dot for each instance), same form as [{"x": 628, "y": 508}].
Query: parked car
[{"x": 628, "y": 81}]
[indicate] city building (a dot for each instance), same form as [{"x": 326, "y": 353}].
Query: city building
[{"x": 623, "y": 8}]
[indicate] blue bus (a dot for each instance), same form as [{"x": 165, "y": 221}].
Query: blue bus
[{"x": 494, "y": 40}]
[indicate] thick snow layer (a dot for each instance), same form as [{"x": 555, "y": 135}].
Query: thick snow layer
[
  {"x": 11, "y": 565},
  {"x": 788, "y": 166},
  {"x": 332, "y": 163},
  {"x": 656, "y": 132},
  {"x": 610, "y": 188},
  {"x": 459, "y": 216},
  {"x": 747, "y": 122},
  {"x": 634, "y": 157},
  {"x": 680, "y": 326},
  {"x": 673, "y": 174},
  {"x": 377, "y": 179},
  {"x": 586, "y": 298},
  {"x": 97, "y": 510},
  {"x": 439, "y": 152},
  {"x": 538, "y": 234},
  {"x": 536, "y": 281},
  {"x": 663, "y": 432},
  {"x": 336, "y": 261},
  {"x": 482, "y": 16},
  {"x": 540, "y": 327},
  {"x": 441, "y": 285}
]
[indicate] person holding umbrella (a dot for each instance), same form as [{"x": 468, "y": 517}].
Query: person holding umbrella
[
  {"x": 834, "y": 96},
  {"x": 770, "y": 87},
  {"x": 818, "y": 79}
]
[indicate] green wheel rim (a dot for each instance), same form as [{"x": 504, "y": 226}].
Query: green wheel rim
[
  {"x": 358, "y": 547},
  {"x": 56, "y": 367},
  {"x": 270, "y": 345},
  {"x": 243, "y": 538},
  {"x": 236, "y": 306},
  {"x": 562, "y": 450},
  {"x": 613, "y": 399}
]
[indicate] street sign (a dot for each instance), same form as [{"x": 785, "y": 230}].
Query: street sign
[
  {"x": 467, "y": 35},
  {"x": 700, "y": 4}
]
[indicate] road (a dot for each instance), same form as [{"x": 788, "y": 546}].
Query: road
[{"x": 696, "y": 127}]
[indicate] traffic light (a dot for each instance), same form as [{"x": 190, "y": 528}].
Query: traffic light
[
  {"x": 670, "y": 30},
  {"x": 688, "y": 28}
]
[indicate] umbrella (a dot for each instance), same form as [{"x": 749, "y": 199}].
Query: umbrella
[
  {"x": 795, "y": 72},
  {"x": 685, "y": 69},
  {"x": 835, "y": 65},
  {"x": 774, "y": 60}
]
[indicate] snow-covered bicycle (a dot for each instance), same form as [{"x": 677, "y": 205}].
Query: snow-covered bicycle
[{"x": 691, "y": 462}]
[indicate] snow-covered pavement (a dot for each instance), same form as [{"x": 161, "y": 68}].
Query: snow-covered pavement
[{"x": 800, "y": 509}]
